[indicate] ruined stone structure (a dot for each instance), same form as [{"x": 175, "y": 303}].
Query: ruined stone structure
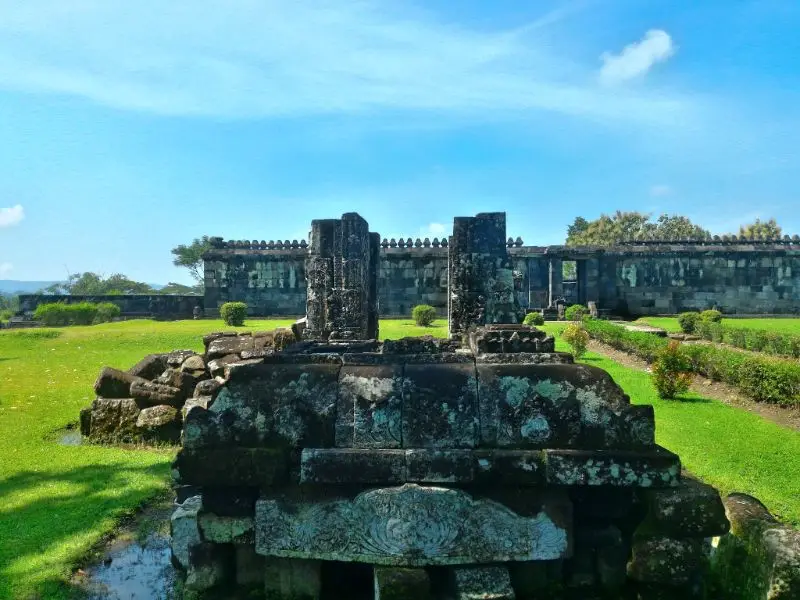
[{"x": 739, "y": 276}]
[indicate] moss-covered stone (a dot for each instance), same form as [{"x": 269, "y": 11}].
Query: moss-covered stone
[{"x": 396, "y": 583}]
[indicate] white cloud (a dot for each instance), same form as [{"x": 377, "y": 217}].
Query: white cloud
[
  {"x": 436, "y": 228},
  {"x": 271, "y": 58},
  {"x": 638, "y": 58},
  {"x": 660, "y": 190},
  {"x": 11, "y": 216},
  {"x": 5, "y": 268}
]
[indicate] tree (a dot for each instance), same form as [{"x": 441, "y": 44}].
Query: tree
[
  {"x": 92, "y": 284},
  {"x": 180, "y": 289},
  {"x": 191, "y": 256},
  {"x": 761, "y": 229},
  {"x": 631, "y": 226}
]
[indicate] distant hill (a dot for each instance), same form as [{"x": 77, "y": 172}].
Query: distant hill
[{"x": 11, "y": 287}]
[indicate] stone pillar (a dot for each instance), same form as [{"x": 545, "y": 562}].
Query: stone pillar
[
  {"x": 556, "y": 281},
  {"x": 480, "y": 274},
  {"x": 342, "y": 270}
]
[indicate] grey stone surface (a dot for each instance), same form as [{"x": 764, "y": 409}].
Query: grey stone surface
[
  {"x": 509, "y": 467},
  {"x": 352, "y": 465},
  {"x": 482, "y": 583},
  {"x": 231, "y": 466},
  {"x": 157, "y": 393},
  {"x": 692, "y": 509},
  {"x": 225, "y": 529},
  {"x": 184, "y": 529},
  {"x": 150, "y": 367},
  {"x": 113, "y": 417},
  {"x": 440, "y": 406},
  {"x": 428, "y": 465},
  {"x": 369, "y": 406},
  {"x": 667, "y": 561},
  {"x": 113, "y": 383},
  {"x": 155, "y": 417},
  {"x": 406, "y": 526},
  {"x": 657, "y": 468}
]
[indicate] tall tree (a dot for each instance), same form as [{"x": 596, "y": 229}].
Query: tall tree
[
  {"x": 676, "y": 227},
  {"x": 92, "y": 284},
  {"x": 180, "y": 289},
  {"x": 761, "y": 229},
  {"x": 191, "y": 256}
]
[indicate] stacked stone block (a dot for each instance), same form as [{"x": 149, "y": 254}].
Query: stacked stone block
[
  {"x": 491, "y": 469},
  {"x": 342, "y": 280}
]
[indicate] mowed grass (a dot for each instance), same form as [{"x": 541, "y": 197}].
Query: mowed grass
[
  {"x": 728, "y": 447},
  {"x": 57, "y": 501},
  {"x": 787, "y": 325}
]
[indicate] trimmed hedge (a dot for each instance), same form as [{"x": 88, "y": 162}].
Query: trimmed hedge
[
  {"x": 80, "y": 313},
  {"x": 757, "y": 340},
  {"x": 763, "y": 378}
]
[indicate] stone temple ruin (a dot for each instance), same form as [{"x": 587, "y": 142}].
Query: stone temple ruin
[{"x": 325, "y": 463}]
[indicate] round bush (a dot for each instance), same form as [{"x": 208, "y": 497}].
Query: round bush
[
  {"x": 688, "y": 321},
  {"x": 423, "y": 315},
  {"x": 577, "y": 337},
  {"x": 575, "y": 312},
  {"x": 233, "y": 313},
  {"x": 671, "y": 371},
  {"x": 107, "y": 312},
  {"x": 533, "y": 319},
  {"x": 711, "y": 315}
]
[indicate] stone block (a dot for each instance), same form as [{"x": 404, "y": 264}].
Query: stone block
[
  {"x": 667, "y": 561},
  {"x": 373, "y": 395},
  {"x": 157, "y": 393},
  {"x": 692, "y": 509},
  {"x": 482, "y": 583},
  {"x": 177, "y": 357},
  {"x": 352, "y": 465},
  {"x": 210, "y": 565},
  {"x": 208, "y": 387},
  {"x": 509, "y": 467},
  {"x": 159, "y": 423},
  {"x": 230, "y": 501},
  {"x": 113, "y": 383},
  {"x": 225, "y": 529},
  {"x": 150, "y": 367},
  {"x": 397, "y": 583},
  {"x": 113, "y": 418},
  {"x": 224, "y": 346},
  {"x": 440, "y": 526},
  {"x": 184, "y": 529},
  {"x": 249, "y": 566},
  {"x": 439, "y": 466},
  {"x": 656, "y": 468},
  {"x": 440, "y": 406},
  {"x": 231, "y": 466},
  {"x": 217, "y": 366},
  {"x": 292, "y": 579}
]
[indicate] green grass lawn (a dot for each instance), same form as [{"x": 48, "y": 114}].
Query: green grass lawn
[
  {"x": 56, "y": 501},
  {"x": 789, "y": 325},
  {"x": 730, "y": 448}
]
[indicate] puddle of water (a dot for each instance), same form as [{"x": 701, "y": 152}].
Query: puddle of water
[
  {"x": 133, "y": 571},
  {"x": 71, "y": 438}
]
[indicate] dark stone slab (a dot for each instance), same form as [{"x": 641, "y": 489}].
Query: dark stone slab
[
  {"x": 157, "y": 393},
  {"x": 692, "y": 509},
  {"x": 230, "y": 501},
  {"x": 113, "y": 383},
  {"x": 657, "y": 468},
  {"x": 217, "y": 366},
  {"x": 526, "y": 358},
  {"x": 350, "y": 465},
  {"x": 231, "y": 467},
  {"x": 439, "y": 466},
  {"x": 440, "y": 406},
  {"x": 150, "y": 367},
  {"x": 177, "y": 357},
  {"x": 426, "y": 344},
  {"x": 510, "y": 339},
  {"x": 482, "y": 583},
  {"x": 509, "y": 467},
  {"x": 397, "y": 583},
  {"x": 224, "y": 346},
  {"x": 369, "y": 406},
  {"x": 114, "y": 418},
  {"x": 287, "y": 405},
  {"x": 667, "y": 561},
  {"x": 207, "y": 387}
]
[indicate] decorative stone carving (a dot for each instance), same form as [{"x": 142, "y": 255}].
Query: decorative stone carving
[{"x": 406, "y": 526}]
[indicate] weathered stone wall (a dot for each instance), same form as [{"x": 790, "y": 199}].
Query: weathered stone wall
[
  {"x": 131, "y": 305},
  {"x": 741, "y": 277}
]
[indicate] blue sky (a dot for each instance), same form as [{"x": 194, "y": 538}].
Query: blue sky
[{"x": 127, "y": 128}]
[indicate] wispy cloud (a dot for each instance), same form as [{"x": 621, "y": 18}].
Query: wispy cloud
[
  {"x": 11, "y": 216},
  {"x": 638, "y": 58},
  {"x": 432, "y": 230},
  {"x": 660, "y": 190},
  {"x": 245, "y": 59},
  {"x": 6, "y": 268}
]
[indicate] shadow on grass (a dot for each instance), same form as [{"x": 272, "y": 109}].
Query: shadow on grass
[{"x": 63, "y": 506}]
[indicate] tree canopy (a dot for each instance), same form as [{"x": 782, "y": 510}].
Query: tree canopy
[
  {"x": 761, "y": 229},
  {"x": 608, "y": 230},
  {"x": 191, "y": 256},
  {"x": 93, "y": 284}
]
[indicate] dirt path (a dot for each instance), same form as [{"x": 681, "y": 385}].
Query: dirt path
[{"x": 785, "y": 417}]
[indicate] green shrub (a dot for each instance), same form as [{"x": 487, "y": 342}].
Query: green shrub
[
  {"x": 423, "y": 315},
  {"x": 107, "y": 312},
  {"x": 687, "y": 321},
  {"x": 51, "y": 314},
  {"x": 671, "y": 374},
  {"x": 82, "y": 313},
  {"x": 533, "y": 319},
  {"x": 233, "y": 313},
  {"x": 5, "y": 315},
  {"x": 712, "y": 315},
  {"x": 575, "y": 312},
  {"x": 577, "y": 337},
  {"x": 763, "y": 378}
]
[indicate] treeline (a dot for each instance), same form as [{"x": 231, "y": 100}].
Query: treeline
[{"x": 92, "y": 284}]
